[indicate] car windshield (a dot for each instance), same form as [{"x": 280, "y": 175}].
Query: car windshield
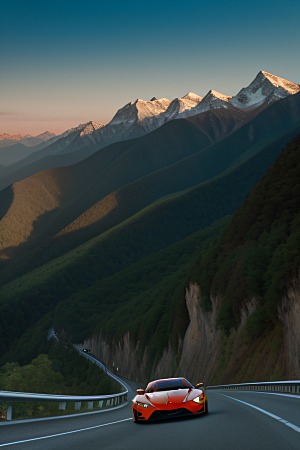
[{"x": 167, "y": 385}]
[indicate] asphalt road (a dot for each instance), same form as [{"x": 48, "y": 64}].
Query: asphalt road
[{"x": 230, "y": 424}]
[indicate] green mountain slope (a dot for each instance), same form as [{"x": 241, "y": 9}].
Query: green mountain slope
[
  {"x": 144, "y": 297},
  {"x": 254, "y": 262},
  {"x": 154, "y": 228},
  {"x": 254, "y": 267},
  {"x": 49, "y": 200},
  {"x": 260, "y": 245}
]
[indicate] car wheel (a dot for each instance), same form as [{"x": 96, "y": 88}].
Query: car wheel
[
  {"x": 206, "y": 407},
  {"x": 135, "y": 416}
]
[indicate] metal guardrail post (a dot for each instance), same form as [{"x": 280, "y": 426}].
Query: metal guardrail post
[{"x": 9, "y": 413}]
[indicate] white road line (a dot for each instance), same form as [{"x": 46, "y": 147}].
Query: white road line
[
  {"x": 285, "y": 422},
  {"x": 63, "y": 434}
]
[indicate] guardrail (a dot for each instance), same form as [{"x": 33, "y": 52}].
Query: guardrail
[
  {"x": 283, "y": 387},
  {"x": 104, "y": 401}
]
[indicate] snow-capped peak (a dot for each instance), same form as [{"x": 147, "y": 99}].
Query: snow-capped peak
[
  {"x": 175, "y": 109},
  {"x": 265, "y": 88},
  {"x": 139, "y": 110},
  {"x": 212, "y": 100},
  {"x": 216, "y": 95},
  {"x": 136, "y": 118},
  {"x": 192, "y": 96},
  {"x": 292, "y": 88},
  {"x": 90, "y": 127}
]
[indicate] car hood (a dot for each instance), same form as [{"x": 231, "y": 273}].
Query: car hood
[{"x": 166, "y": 397}]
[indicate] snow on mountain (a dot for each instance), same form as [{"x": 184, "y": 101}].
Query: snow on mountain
[
  {"x": 138, "y": 111},
  {"x": 212, "y": 100},
  {"x": 175, "y": 108},
  {"x": 141, "y": 117},
  {"x": 88, "y": 132},
  {"x": 265, "y": 88},
  {"x": 129, "y": 121},
  {"x": 85, "y": 134}
]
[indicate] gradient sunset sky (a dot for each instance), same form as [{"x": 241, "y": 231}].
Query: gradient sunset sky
[{"x": 69, "y": 62}]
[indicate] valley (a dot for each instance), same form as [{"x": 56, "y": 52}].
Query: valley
[{"x": 165, "y": 241}]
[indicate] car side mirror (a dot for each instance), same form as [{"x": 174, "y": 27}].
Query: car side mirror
[
  {"x": 198, "y": 385},
  {"x": 140, "y": 391}
]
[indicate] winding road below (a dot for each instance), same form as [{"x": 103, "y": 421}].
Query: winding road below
[{"x": 236, "y": 420}]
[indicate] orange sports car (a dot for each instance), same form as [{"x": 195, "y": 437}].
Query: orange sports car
[{"x": 171, "y": 397}]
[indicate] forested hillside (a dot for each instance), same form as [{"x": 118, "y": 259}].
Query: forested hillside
[
  {"x": 147, "y": 298},
  {"x": 242, "y": 294},
  {"x": 163, "y": 223},
  {"x": 248, "y": 290}
]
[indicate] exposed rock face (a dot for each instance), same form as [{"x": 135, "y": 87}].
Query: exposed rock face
[
  {"x": 199, "y": 350},
  {"x": 247, "y": 310},
  {"x": 200, "y": 353},
  {"x": 289, "y": 314},
  {"x": 202, "y": 342},
  {"x": 120, "y": 357},
  {"x": 165, "y": 367}
]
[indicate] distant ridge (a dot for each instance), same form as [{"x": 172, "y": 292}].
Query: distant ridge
[
  {"x": 25, "y": 139},
  {"x": 136, "y": 119}
]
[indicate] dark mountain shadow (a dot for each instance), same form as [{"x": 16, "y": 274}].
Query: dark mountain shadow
[
  {"x": 6, "y": 199},
  {"x": 165, "y": 222},
  {"x": 183, "y": 174},
  {"x": 24, "y": 247}
]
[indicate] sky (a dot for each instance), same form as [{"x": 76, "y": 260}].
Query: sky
[{"x": 64, "y": 62}]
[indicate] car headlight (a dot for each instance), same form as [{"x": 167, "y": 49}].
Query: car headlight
[
  {"x": 199, "y": 399},
  {"x": 143, "y": 405}
]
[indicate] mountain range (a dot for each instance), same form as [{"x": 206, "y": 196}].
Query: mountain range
[
  {"x": 28, "y": 140},
  {"x": 137, "y": 118}
]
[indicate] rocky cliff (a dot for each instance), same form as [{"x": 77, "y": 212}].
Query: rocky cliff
[{"x": 207, "y": 354}]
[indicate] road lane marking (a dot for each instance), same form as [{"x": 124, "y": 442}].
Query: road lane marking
[
  {"x": 285, "y": 422},
  {"x": 63, "y": 434}
]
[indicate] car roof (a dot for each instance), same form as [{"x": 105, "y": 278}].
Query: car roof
[{"x": 168, "y": 379}]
